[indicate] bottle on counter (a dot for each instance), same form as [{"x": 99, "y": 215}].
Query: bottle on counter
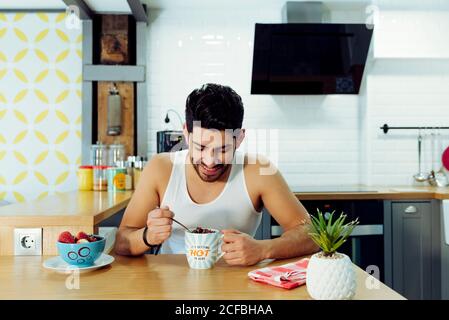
[
  {"x": 137, "y": 171},
  {"x": 128, "y": 165},
  {"x": 129, "y": 175}
]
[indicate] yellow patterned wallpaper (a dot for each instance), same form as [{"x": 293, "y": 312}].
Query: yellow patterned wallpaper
[{"x": 40, "y": 105}]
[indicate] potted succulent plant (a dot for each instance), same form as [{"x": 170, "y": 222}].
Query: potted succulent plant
[{"x": 330, "y": 274}]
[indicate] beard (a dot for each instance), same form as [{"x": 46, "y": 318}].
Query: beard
[{"x": 209, "y": 174}]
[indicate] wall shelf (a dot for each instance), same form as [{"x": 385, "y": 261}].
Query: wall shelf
[{"x": 124, "y": 73}]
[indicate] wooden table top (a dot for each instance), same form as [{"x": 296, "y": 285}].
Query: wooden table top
[{"x": 162, "y": 277}]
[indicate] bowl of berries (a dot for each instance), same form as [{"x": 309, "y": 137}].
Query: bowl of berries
[{"x": 81, "y": 250}]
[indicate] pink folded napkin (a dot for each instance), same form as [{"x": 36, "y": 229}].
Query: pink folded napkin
[{"x": 287, "y": 276}]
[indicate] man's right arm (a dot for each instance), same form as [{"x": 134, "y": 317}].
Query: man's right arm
[{"x": 143, "y": 211}]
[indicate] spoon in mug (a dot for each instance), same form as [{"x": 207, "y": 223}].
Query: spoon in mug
[
  {"x": 157, "y": 207},
  {"x": 181, "y": 224}
]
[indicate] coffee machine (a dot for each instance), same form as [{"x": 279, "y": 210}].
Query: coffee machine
[{"x": 170, "y": 140}]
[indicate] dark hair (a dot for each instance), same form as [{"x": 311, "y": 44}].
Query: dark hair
[{"x": 216, "y": 106}]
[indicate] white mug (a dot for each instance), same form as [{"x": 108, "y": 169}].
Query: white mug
[{"x": 203, "y": 250}]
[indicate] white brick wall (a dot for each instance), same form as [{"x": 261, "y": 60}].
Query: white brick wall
[
  {"x": 323, "y": 139},
  {"x": 405, "y": 100},
  {"x": 412, "y": 34}
]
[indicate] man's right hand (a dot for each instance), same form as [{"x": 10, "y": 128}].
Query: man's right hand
[{"x": 159, "y": 225}]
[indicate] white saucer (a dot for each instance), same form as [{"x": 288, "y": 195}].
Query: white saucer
[{"x": 59, "y": 265}]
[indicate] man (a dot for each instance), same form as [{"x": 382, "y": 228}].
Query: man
[{"x": 214, "y": 186}]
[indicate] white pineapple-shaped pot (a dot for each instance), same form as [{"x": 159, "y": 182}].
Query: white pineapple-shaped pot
[{"x": 331, "y": 278}]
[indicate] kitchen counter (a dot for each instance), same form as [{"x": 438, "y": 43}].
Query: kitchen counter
[
  {"x": 91, "y": 208},
  {"x": 361, "y": 192},
  {"x": 73, "y": 211},
  {"x": 84, "y": 210},
  {"x": 162, "y": 277},
  {"x": 69, "y": 208}
]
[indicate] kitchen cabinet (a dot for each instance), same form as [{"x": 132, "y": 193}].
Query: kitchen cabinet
[
  {"x": 413, "y": 230},
  {"x": 444, "y": 249},
  {"x": 116, "y": 42},
  {"x": 114, "y": 48},
  {"x": 264, "y": 230}
]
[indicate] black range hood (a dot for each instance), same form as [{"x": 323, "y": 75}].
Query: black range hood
[{"x": 309, "y": 58}]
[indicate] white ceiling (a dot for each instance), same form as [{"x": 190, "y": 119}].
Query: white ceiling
[
  {"x": 32, "y": 4},
  {"x": 244, "y": 4},
  {"x": 332, "y": 4},
  {"x": 100, "y": 6},
  {"x": 121, "y": 6},
  {"x": 106, "y": 6}
]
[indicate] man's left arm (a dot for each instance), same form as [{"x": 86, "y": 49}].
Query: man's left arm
[{"x": 242, "y": 249}]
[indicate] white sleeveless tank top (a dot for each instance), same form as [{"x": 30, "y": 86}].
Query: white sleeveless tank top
[{"x": 232, "y": 209}]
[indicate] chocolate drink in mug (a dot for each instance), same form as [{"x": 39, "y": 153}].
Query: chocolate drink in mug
[{"x": 202, "y": 230}]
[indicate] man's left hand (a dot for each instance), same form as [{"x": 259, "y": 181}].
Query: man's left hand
[{"x": 241, "y": 249}]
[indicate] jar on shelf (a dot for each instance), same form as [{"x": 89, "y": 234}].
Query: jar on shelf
[
  {"x": 116, "y": 153},
  {"x": 100, "y": 181},
  {"x": 99, "y": 154},
  {"x": 116, "y": 179}
]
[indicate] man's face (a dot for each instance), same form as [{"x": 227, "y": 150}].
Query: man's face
[{"x": 211, "y": 152}]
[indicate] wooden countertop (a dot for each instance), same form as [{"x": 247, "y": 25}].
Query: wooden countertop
[
  {"x": 377, "y": 192},
  {"x": 77, "y": 208},
  {"x": 162, "y": 277},
  {"x": 73, "y": 208}
]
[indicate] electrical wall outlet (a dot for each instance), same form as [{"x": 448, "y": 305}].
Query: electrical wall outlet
[{"x": 28, "y": 241}]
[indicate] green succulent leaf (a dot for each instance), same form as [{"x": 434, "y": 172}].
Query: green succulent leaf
[{"x": 331, "y": 234}]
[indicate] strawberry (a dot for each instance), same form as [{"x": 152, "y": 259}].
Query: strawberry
[
  {"x": 82, "y": 235},
  {"x": 82, "y": 241},
  {"x": 92, "y": 239},
  {"x": 66, "y": 237}
]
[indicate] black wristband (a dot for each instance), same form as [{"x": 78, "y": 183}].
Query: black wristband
[{"x": 145, "y": 239}]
